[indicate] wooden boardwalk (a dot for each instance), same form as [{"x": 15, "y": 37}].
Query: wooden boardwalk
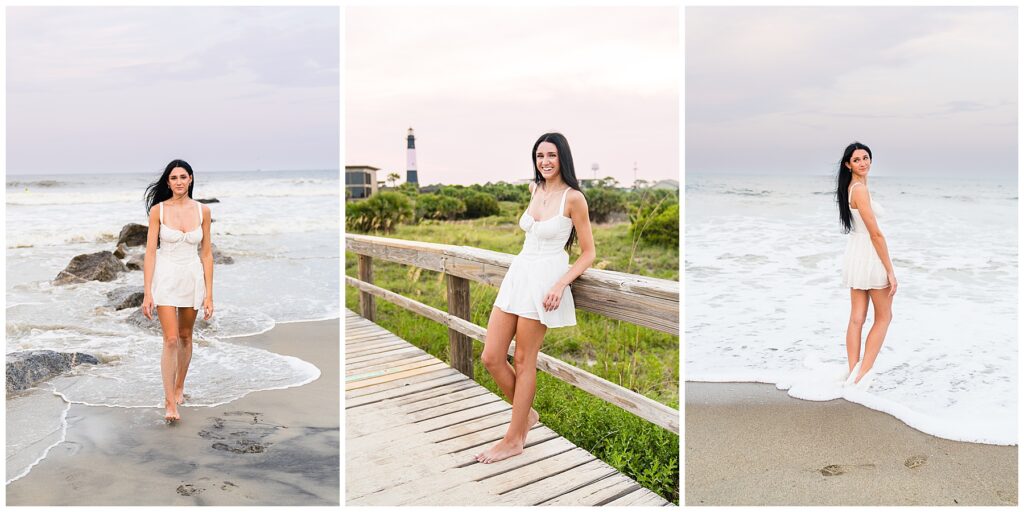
[{"x": 413, "y": 424}]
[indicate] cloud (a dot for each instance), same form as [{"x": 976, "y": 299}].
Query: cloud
[{"x": 795, "y": 79}]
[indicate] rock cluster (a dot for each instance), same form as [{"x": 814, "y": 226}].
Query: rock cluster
[{"x": 27, "y": 368}]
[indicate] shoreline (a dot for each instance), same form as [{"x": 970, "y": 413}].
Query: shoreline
[
  {"x": 270, "y": 447},
  {"x": 752, "y": 444}
]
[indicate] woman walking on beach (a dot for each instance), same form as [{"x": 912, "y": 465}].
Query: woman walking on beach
[
  {"x": 867, "y": 268},
  {"x": 535, "y": 294},
  {"x": 177, "y": 277}
]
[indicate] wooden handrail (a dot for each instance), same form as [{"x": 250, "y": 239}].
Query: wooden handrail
[
  {"x": 640, "y": 300},
  {"x": 598, "y": 291}
]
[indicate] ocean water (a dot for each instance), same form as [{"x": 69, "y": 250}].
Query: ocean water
[
  {"x": 764, "y": 301},
  {"x": 281, "y": 228}
]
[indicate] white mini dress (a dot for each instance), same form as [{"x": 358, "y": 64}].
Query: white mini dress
[
  {"x": 541, "y": 263},
  {"x": 862, "y": 268},
  {"x": 178, "y": 278}
]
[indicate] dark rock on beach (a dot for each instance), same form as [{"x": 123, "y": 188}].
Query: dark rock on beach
[
  {"x": 132, "y": 235},
  {"x": 27, "y": 368},
  {"x": 209, "y": 201},
  {"x": 124, "y": 297},
  {"x": 98, "y": 266},
  {"x": 120, "y": 252},
  {"x": 135, "y": 261},
  {"x": 219, "y": 258}
]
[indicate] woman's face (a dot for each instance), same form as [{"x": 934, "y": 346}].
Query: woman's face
[
  {"x": 547, "y": 160},
  {"x": 860, "y": 163},
  {"x": 179, "y": 180}
]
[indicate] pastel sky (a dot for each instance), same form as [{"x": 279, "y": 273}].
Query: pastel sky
[
  {"x": 120, "y": 89},
  {"x": 479, "y": 85},
  {"x": 932, "y": 90}
]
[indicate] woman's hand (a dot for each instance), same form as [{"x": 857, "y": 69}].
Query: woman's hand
[
  {"x": 207, "y": 308},
  {"x": 892, "y": 284},
  {"x": 147, "y": 306},
  {"x": 553, "y": 297}
]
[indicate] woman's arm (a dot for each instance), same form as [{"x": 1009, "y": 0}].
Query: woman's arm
[
  {"x": 149, "y": 261},
  {"x": 580, "y": 215},
  {"x": 863, "y": 201},
  {"x": 206, "y": 257}
]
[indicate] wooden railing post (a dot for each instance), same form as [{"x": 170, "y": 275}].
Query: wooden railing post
[
  {"x": 460, "y": 346},
  {"x": 367, "y": 302}
]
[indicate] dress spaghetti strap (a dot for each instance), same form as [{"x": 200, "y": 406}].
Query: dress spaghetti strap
[
  {"x": 561, "y": 205},
  {"x": 849, "y": 196},
  {"x": 161, "y": 212},
  {"x": 199, "y": 207}
]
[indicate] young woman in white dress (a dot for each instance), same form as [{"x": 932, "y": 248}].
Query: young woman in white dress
[
  {"x": 867, "y": 268},
  {"x": 177, "y": 277},
  {"x": 535, "y": 294}
]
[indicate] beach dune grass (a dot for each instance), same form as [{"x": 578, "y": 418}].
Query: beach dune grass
[{"x": 637, "y": 358}]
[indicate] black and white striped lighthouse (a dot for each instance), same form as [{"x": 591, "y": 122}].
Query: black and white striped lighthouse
[{"x": 410, "y": 160}]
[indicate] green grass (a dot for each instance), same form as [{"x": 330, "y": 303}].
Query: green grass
[{"x": 638, "y": 358}]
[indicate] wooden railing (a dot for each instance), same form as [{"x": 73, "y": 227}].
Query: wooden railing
[{"x": 636, "y": 299}]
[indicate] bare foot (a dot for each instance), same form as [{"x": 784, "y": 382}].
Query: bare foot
[
  {"x": 500, "y": 451},
  {"x": 171, "y": 412},
  {"x": 531, "y": 420},
  {"x": 179, "y": 396}
]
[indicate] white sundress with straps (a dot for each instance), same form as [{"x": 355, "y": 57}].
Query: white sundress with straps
[
  {"x": 178, "y": 278},
  {"x": 862, "y": 268},
  {"x": 541, "y": 263}
]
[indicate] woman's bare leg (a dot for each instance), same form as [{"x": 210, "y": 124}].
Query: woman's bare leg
[
  {"x": 186, "y": 320},
  {"x": 168, "y": 316},
  {"x": 501, "y": 327},
  {"x": 883, "y": 316},
  {"x": 858, "y": 315},
  {"x": 529, "y": 336}
]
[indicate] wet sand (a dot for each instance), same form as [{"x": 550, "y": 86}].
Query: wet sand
[
  {"x": 278, "y": 447},
  {"x": 751, "y": 444}
]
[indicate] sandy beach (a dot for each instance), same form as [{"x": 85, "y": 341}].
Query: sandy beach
[
  {"x": 278, "y": 447},
  {"x": 751, "y": 444}
]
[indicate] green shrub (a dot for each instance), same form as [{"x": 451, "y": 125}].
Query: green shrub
[
  {"x": 479, "y": 204},
  {"x": 656, "y": 222},
  {"x": 603, "y": 203},
  {"x": 382, "y": 212},
  {"x": 438, "y": 207}
]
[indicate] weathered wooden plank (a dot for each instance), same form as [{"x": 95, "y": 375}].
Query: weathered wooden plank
[
  {"x": 371, "y": 357},
  {"x": 375, "y": 349},
  {"x": 638, "y": 497},
  {"x": 373, "y": 381},
  {"x": 384, "y": 359},
  {"x": 402, "y": 384},
  {"x": 360, "y": 401},
  {"x": 597, "y": 493},
  {"x": 556, "y": 485},
  {"x": 388, "y": 370},
  {"x": 445, "y": 390},
  {"x": 370, "y": 366}
]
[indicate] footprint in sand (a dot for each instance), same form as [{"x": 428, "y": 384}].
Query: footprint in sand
[
  {"x": 239, "y": 432},
  {"x": 189, "y": 490},
  {"x": 915, "y": 461},
  {"x": 841, "y": 469}
]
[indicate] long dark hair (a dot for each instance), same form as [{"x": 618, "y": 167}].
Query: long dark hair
[
  {"x": 565, "y": 167},
  {"x": 843, "y": 180},
  {"x": 159, "y": 190}
]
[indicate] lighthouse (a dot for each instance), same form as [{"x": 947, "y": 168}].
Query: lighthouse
[{"x": 410, "y": 160}]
